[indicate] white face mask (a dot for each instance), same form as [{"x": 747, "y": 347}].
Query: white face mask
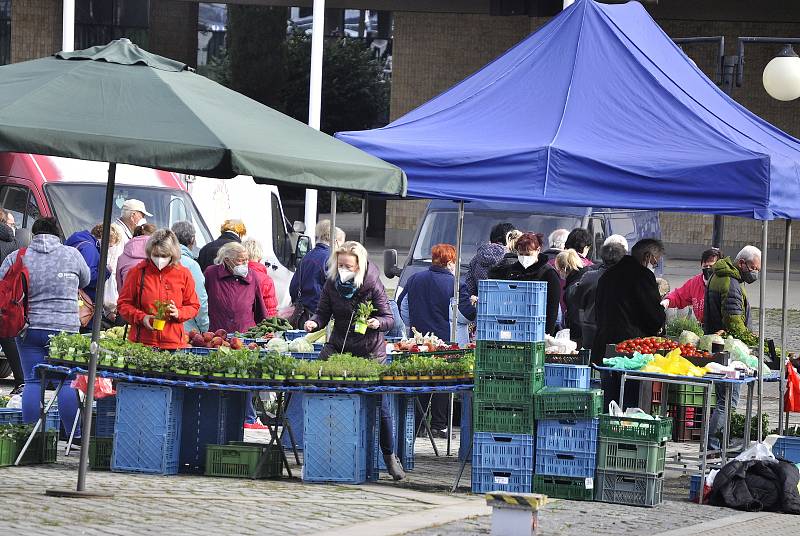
[
  {"x": 527, "y": 260},
  {"x": 346, "y": 275},
  {"x": 160, "y": 262},
  {"x": 141, "y": 221},
  {"x": 240, "y": 270}
]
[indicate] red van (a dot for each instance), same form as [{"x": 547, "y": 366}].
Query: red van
[{"x": 74, "y": 192}]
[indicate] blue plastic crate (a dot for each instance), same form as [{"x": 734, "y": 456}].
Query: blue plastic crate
[
  {"x": 305, "y": 355},
  {"x": 10, "y": 416},
  {"x": 559, "y": 463},
  {"x": 503, "y": 451},
  {"x": 466, "y": 425},
  {"x": 53, "y": 421},
  {"x": 293, "y": 334},
  {"x": 573, "y": 435},
  {"x": 486, "y": 479},
  {"x": 294, "y": 414},
  {"x": 573, "y": 376},
  {"x": 318, "y": 346},
  {"x": 788, "y": 448},
  {"x": 402, "y": 411},
  {"x": 147, "y": 429},
  {"x": 105, "y": 415},
  {"x": 209, "y": 418},
  {"x": 337, "y": 431},
  {"x": 695, "y": 483},
  {"x": 520, "y": 299},
  {"x": 198, "y": 350},
  {"x": 509, "y": 328}
]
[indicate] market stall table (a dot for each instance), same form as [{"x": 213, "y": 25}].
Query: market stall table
[{"x": 64, "y": 373}]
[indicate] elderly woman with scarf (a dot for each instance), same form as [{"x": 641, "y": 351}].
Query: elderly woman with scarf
[{"x": 355, "y": 283}]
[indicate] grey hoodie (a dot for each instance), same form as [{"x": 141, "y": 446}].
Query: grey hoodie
[{"x": 56, "y": 272}]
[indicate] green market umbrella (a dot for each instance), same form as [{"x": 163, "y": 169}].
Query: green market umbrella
[{"x": 120, "y": 104}]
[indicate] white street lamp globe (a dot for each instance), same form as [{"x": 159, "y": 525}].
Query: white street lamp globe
[{"x": 782, "y": 76}]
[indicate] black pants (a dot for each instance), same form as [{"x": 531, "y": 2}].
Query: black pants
[
  {"x": 611, "y": 383},
  {"x": 440, "y": 405},
  {"x": 12, "y": 355}
]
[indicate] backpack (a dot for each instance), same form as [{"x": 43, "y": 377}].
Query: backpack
[{"x": 14, "y": 298}]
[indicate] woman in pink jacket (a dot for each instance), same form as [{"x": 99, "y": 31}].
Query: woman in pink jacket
[
  {"x": 134, "y": 251},
  {"x": 693, "y": 292}
]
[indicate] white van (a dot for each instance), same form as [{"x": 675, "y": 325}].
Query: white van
[{"x": 259, "y": 207}]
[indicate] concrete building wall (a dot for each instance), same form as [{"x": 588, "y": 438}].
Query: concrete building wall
[{"x": 434, "y": 51}]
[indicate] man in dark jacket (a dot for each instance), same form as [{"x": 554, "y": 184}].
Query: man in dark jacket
[
  {"x": 727, "y": 308},
  {"x": 8, "y": 243},
  {"x": 628, "y": 305},
  {"x": 232, "y": 231},
  {"x": 586, "y": 289}
]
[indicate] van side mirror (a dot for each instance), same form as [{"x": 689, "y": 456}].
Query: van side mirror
[
  {"x": 301, "y": 250},
  {"x": 23, "y": 237},
  {"x": 390, "y": 268},
  {"x": 299, "y": 227}
]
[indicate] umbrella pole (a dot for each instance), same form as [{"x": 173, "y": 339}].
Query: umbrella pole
[
  {"x": 86, "y": 428},
  {"x": 363, "y": 233},
  {"x": 459, "y": 240},
  {"x": 782, "y": 369},
  {"x": 762, "y": 319}
]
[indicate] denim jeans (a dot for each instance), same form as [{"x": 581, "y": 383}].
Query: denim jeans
[
  {"x": 387, "y": 427},
  {"x": 718, "y": 415},
  {"x": 33, "y": 348},
  {"x": 250, "y": 415}
]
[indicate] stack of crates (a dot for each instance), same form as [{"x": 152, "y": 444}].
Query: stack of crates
[
  {"x": 630, "y": 460},
  {"x": 566, "y": 413},
  {"x": 685, "y": 406},
  {"x": 509, "y": 370}
]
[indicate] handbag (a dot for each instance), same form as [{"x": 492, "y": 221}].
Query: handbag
[
  {"x": 299, "y": 313},
  {"x": 85, "y": 308}
]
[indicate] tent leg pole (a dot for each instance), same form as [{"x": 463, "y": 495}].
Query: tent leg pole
[
  {"x": 762, "y": 319},
  {"x": 457, "y": 278},
  {"x": 363, "y": 232},
  {"x": 784, "y": 306}
]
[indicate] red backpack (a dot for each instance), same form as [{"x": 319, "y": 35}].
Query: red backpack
[{"x": 14, "y": 298}]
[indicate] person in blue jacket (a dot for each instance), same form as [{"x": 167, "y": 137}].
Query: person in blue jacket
[
  {"x": 429, "y": 294},
  {"x": 309, "y": 278},
  {"x": 185, "y": 232},
  {"x": 88, "y": 245}
]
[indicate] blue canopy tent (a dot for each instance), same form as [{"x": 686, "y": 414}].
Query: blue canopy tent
[{"x": 597, "y": 108}]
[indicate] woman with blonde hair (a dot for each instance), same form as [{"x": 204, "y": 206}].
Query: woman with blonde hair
[
  {"x": 570, "y": 267},
  {"x": 160, "y": 278},
  {"x": 355, "y": 284}
]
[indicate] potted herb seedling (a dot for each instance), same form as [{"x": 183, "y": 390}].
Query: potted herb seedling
[
  {"x": 160, "y": 314},
  {"x": 363, "y": 313}
]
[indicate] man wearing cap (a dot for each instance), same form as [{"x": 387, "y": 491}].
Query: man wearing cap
[{"x": 133, "y": 214}]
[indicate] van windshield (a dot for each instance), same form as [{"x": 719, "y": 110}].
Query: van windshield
[
  {"x": 441, "y": 227},
  {"x": 79, "y": 207}
]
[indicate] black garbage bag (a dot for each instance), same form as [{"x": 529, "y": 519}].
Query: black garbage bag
[{"x": 758, "y": 485}]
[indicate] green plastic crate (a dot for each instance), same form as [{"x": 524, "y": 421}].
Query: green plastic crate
[
  {"x": 689, "y": 395},
  {"x": 9, "y": 450},
  {"x": 628, "y": 488},
  {"x": 508, "y": 389},
  {"x": 509, "y": 357},
  {"x": 503, "y": 418},
  {"x": 564, "y": 487},
  {"x": 624, "y": 455},
  {"x": 654, "y": 430},
  {"x": 240, "y": 459},
  {"x": 100, "y": 450},
  {"x": 564, "y": 403}
]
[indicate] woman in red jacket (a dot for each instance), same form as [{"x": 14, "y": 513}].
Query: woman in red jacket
[
  {"x": 255, "y": 254},
  {"x": 160, "y": 278}
]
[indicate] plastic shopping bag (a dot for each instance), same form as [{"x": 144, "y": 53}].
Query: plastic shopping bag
[
  {"x": 102, "y": 386},
  {"x": 791, "y": 399}
]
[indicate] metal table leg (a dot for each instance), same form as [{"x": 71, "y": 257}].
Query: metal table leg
[
  {"x": 283, "y": 402},
  {"x": 425, "y": 423},
  {"x": 622, "y": 390},
  {"x": 450, "y": 424},
  {"x": 749, "y": 416},
  {"x": 704, "y": 432},
  {"x": 43, "y": 410},
  {"x": 726, "y": 429},
  {"x": 462, "y": 466},
  {"x": 275, "y": 437}
]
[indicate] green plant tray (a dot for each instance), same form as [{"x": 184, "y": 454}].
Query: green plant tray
[
  {"x": 563, "y": 487},
  {"x": 9, "y": 450},
  {"x": 100, "y": 450},
  {"x": 654, "y": 430},
  {"x": 627, "y": 456},
  {"x": 239, "y": 459},
  {"x": 565, "y": 403},
  {"x": 508, "y": 389},
  {"x": 689, "y": 395},
  {"x": 442, "y": 354},
  {"x": 509, "y": 357}
]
